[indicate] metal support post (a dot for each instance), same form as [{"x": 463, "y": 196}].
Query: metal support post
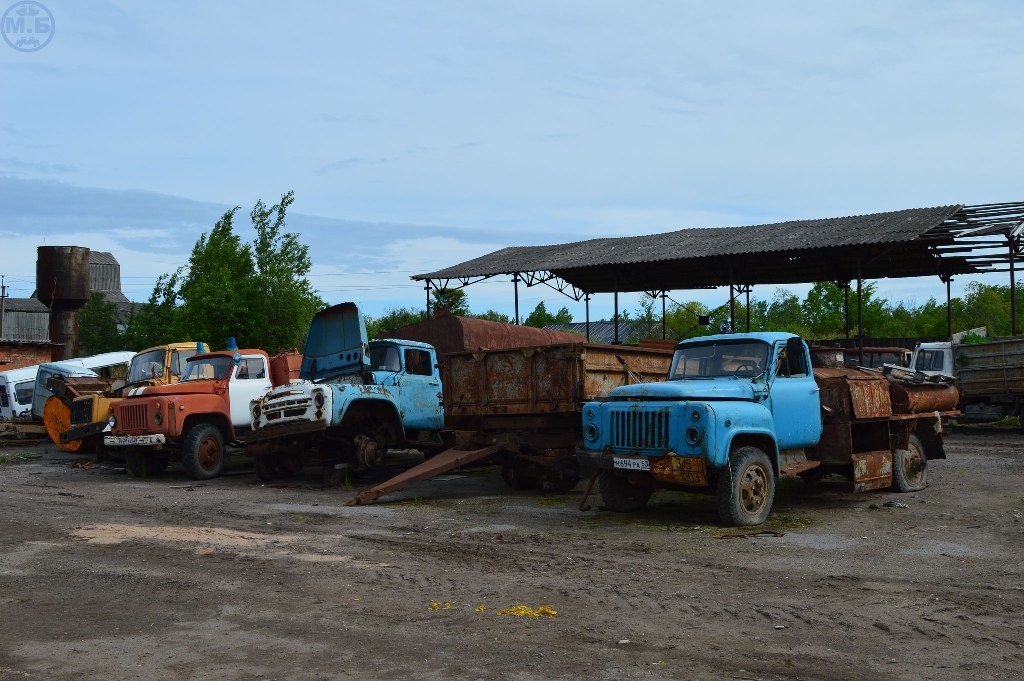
[
  {"x": 860, "y": 318},
  {"x": 1013, "y": 289},
  {"x": 427, "y": 287},
  {"x": 586, "y": 299},
  {"x": 846, "y": 309},
  {"x": 748, "y": 307},
  {"x": 949, "y": 309},
  {"x": 515, "y": 285},
  {"x": 616, "y": 317},
  {"x": 664, "y": 328}
]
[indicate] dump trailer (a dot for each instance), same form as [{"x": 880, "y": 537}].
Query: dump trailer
[
  {"x": 739, "y": 410},
  {"x": 521, "y": 406},
  {"x": 990, "y": 375}
]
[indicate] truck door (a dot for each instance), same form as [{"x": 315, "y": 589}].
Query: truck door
[
  {"x": 419, "y": 391},
  {"x": 250, "y": 380},
  {"x": 794, "y": 400}
]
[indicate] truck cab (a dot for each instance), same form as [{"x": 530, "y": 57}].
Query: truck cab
[
  {"x": 193, "y": 418},
  {"x": 16, "y": 388},
  {"x": 355, "y": 399},
  {"x": 933, "y": 359}
]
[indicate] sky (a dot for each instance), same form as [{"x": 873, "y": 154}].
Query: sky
[{"x": 419, "y": 135}]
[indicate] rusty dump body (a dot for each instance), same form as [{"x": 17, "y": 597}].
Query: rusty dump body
[
  {"x": 451, "y": 333},
  {"x": 866, "y": 416}
]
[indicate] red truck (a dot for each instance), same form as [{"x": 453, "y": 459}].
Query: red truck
[{"x": 194, "y": 418}]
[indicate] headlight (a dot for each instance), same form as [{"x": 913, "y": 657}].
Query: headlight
[
  {"x": 692, "y": 436},
  {"x": 590, "y": 432},
  {"x": 318, "y": 399},
  {"x": 256, "y": 411},
  {"x": 112, "y": 421},
  {"x": 158, "y": 418},
  {"x": 695, "y": 415},
  {"x": 589, "y": 413}
]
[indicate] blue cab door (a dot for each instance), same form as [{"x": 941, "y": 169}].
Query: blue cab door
[
  {"x": 419, "y": 390},
  {"x": 795, "y": 401}
]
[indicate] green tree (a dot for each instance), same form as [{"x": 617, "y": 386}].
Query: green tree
[
  {"x": 493, "y": 316},
  {"x": 540, "y": 317},
  {"x": 393, "y": 318},
  {"x": 284, "y": 300},
  {"x": 98, "y": 326},
  {"x": 452, "y": 301}
]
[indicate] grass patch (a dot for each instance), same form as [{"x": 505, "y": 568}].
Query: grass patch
[{"x": 11, "y": 458}]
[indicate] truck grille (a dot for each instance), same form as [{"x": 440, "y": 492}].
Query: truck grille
[
  {"x": 287, "y": 408},
  {"x": 636, "y": 429},
  {"x": 81, "y": 412},
  {"x": 133, "y": 417}
]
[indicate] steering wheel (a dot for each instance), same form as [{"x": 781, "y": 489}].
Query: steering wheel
[{"x": 747, "y": 366}]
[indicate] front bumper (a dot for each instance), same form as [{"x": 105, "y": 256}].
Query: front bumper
[
  {"x": 285, "y": 430},
  {"x": 86, "y": 430},
  {"x": 134, "y": 440},
  {"x": 688, "y": 471}
]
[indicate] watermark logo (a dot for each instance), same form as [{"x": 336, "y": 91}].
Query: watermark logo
[{"x": 27, "y": 26}]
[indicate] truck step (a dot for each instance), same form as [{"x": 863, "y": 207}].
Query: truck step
[
  {"x": 442, "y": 463},
  {"x": 798, "y": 467}
]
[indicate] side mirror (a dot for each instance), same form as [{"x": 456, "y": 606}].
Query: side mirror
[{"x": 795, "y": 356}]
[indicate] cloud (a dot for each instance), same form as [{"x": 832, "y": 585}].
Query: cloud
[{"x": 12, "y": 163}]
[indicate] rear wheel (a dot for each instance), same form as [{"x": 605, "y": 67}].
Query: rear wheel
[
  {"x": 202, "y": 453},
  {"x": 746, "y": 489},
  {"x": 910, "y": 467},
  {"x": 621, "y": 495}
]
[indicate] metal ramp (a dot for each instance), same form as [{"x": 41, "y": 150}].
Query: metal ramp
[{"x": 447, "y": 460}]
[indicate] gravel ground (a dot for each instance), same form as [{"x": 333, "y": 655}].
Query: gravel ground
[{"x": 106, "y": 576}]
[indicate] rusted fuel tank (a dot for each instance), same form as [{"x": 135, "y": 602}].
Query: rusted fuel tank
[
  {"x": 911, "y": 398},
  {"x": 849, "y": 394},
  {"x": 62, "y": 284},
  {"x": 451, "y": 333}
]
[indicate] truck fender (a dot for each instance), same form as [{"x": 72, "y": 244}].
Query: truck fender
[
  {"x": 216, "y": 418},
  {"x": 763, "y": 439},
  {"x": 380, "y": 408}
]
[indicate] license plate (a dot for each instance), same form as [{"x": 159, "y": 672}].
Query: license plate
[
  {"x": 631, "y": 464},
  {"x": 129, "y": 440}
]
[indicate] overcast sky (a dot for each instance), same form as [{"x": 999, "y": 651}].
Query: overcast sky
[{"x": 463, "y": 127}]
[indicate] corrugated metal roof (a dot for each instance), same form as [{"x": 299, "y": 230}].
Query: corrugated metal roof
[
  {"x": 902, "y": 226},
  {"x": 102, "y": 258},
  {"x": 25, "y": 305},
  {"x": 601, "y": 332}
]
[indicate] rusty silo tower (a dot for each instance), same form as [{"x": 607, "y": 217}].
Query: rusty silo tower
[{"x": 62, "y": 284}]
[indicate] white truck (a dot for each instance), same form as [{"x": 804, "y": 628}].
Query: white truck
[{"x": 990, "y": 375}]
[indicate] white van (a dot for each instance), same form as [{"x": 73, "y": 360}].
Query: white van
[
  {"x": 106, "y": 365},
  {"x": 16, "y": 388}
]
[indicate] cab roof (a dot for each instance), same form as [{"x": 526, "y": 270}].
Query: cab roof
[
  {"x": 770, "y": 337},
  {"x": 402, "y": 342},
  {"x": 228, "y": 353}
]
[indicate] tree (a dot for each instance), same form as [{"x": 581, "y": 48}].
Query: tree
[
  {"x": 540, "y": 317},
  {"x": 493, "y": 316},
  {"x": 98, "y": 330},
  {"x": 393, "y": 318},
  {"x": 257, "y": 293},
  {"x": 452, "y": 301}
]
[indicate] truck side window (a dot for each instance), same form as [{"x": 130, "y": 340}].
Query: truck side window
[
  {"x": 800, "y": 365},
  {"x": 3, "y": 397},
  {"x": 251, "y": 368},
  {"x": 418, "y": 362},
  {"x": 384, "y": 359}
]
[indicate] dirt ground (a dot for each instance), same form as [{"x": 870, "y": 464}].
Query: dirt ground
[{"x": 106, "y": 576}]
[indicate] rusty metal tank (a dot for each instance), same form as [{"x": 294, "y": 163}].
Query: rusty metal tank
[
  {"x": 912, "y": 398},
  {"x": 450, "y": 333},
  {"x": 62, "y": 284}
]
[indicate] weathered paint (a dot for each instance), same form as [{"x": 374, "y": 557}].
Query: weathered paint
[{"x": 872, "y": 470}]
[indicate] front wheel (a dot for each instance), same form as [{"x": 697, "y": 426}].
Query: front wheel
[
  {"x": 910, "y": 467},
  {"x": 202, "y": 453},
  {"x": 621, "y": 495},
  {"x": 746, "y": 490}
]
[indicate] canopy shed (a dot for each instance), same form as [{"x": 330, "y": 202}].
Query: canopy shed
[{"x": 944, "y": 241}]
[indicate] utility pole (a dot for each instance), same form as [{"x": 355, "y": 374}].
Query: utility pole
[{"x": 3, "y": 304}]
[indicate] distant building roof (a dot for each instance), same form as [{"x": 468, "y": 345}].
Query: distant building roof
[{"x": 601, "y": 332}]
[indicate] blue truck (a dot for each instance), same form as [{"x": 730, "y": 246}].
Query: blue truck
[
  {"x": 354, "y": 400},
  {"x": 739, "y": 410}
]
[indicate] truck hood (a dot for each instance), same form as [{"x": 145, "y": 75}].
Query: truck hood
[
  {"x": 186, "y": 388},
  {"x": 687, "y": 389},
  {"x": 336, "y": 343}
]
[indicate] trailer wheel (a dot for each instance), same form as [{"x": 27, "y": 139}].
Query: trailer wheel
[
  {"x": 910, "y": 467},
  {"x": 746, "y": 488},
  {"x": 202, "y": 453},
  {"x": 621, "y": 495},
  {"x": 145, "y": 465}
]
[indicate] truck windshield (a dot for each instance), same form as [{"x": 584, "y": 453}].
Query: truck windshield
[
  {"x": 178, "y": 359},
  {"x": 146, "y": 366},
  {"x": 216, "y": 368},
  {"x": 720, "y": 358},
  {"x": 23, "y": 392},
  {"x": 385, "y": 358}
]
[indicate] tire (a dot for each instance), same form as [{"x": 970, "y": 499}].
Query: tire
[
  {"x": 562, "y": 476},
  {"x": 620, "y": 495},
  {"x": 910, "y": 467},
  {"x": 746, "y": 488},
  {"x": 202, "y": 453},
  {"x": 519, "y": 477},
  {"x": 265, "y": 467},
  {"x": 144, "y": 465}
]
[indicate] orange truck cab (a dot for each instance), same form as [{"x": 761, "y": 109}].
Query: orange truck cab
[{"x": 192, "y": 419}]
